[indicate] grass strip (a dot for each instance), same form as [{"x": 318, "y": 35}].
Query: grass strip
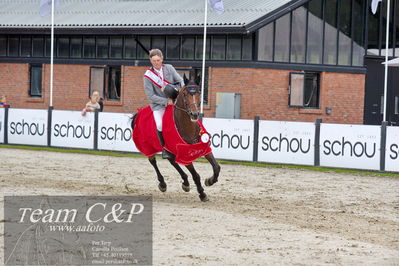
[{"x": 256, "y": 164}]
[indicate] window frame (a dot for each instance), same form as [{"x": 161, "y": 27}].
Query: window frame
[
  {"x": 106, "y": 82},
  {"x": 31, "y": 66},
  {"x": 108, "y": 72},
  {"x": 305, "y": 75}
]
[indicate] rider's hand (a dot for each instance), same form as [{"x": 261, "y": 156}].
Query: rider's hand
[{"x": 170, "y": 101}]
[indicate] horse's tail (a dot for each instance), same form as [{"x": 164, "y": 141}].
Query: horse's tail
[{"x": 132, "y": 119}]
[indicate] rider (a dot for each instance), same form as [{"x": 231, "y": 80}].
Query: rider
[{"x": 156, "y": 79}]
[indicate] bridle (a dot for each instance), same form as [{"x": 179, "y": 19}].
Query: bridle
[{"x": 192, "y": 90}]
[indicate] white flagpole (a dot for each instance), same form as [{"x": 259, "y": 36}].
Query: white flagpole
[
  {"x": 386, "y": 60},
  {"x": 52, "y": 53},
  {"x": 203, "y": 59}
]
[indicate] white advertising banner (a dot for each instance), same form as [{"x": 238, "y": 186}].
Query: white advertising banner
[
  {"x": 286, "y": 142},
  {"x": 27, "y": 126},
  {"x": 392, "y": 150},
  {"x": 350, "y": 146},
  {"x": 231, "y": 138},
  {"x": 114, "y": 132},
  {"x": 2, "y": 121},
  {"x": 71, "y": 129}
]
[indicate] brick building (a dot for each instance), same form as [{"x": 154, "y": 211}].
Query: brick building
[{"x": 289, "y": 60}]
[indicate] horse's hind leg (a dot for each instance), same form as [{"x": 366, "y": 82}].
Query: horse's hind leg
[
  {"x": 162, "y": 185},
  {"x": 197, "y": 181},
  {"x": 185, "y": 185},
  {"x": 216, "y": 170}
]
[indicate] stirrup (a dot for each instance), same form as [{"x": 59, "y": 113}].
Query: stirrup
[{"x": 166, "y": 154}]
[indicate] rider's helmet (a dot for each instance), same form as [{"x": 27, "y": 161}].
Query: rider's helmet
[{"x": 171, "y": 91}]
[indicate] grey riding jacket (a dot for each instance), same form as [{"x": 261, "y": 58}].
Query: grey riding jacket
[{"x": 154, "y": 94}]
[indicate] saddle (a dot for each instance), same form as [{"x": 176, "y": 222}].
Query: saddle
[{"x": 147, "y": 142}]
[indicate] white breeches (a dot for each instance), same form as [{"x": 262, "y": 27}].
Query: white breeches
[{"x": 158, "y": 114}]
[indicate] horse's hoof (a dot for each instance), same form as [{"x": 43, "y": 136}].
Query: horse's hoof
[
  {"x": 208, "y": 182},
  {"x": 185, "y": 188},
  {"x": 161, "y": 187},
  {"x": 204, "y": 198}
]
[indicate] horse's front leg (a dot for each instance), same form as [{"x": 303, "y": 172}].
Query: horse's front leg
[
  {"x": 216, "y": 170},
  {"x": 162, "y": 185},
  {"x": 197, "y": 181},
  {"x": 185, "y": 185}
]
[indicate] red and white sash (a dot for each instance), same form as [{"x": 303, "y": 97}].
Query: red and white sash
[{"x": 155, "y": 78}]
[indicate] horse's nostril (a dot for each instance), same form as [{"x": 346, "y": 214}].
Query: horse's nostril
[{"x": 194, "y": 116}]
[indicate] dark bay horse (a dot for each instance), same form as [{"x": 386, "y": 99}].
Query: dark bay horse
[{"x": 186, "y": 115}]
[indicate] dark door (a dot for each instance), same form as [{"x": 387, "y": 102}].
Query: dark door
[
  {"x": 393, "y": 96},
  {"x": 374, "y": 94}
]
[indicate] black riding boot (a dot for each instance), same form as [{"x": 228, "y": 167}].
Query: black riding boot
[{"x": 165, "y": 153}]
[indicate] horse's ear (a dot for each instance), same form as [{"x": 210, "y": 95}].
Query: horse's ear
[{"x": 185, "y": 79}]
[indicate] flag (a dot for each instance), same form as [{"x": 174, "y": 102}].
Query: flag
[
  {"x": 45, "y": 6},
  {"x": 374, "y": 5},
  {"x": 217, "y": 6}
]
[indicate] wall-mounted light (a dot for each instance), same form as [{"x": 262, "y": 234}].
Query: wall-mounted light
[{"x": 328, "y": 110}]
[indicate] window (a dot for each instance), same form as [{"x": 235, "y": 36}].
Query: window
[
  {"x": 158, "y": 42},
  {"x": 89, "y": 47},
  {"x": 35, "y": 89},
  {"x": 143, "y": 46},
  {"x": 113, "y": 91},
  {"x": 234, "y": 48},
  {"x": 330, "y": 33},
  {"x": 76, "y": 47},
  {"x": 199, "y": 48},
  {"x": 218, "y": 47},
  {"x": 26, "y": 47},
  {"x": 3, "y": 45},
  {"x": 130, "y": 47},
  {"x": 116, "y": 47},
  {"x": 97, "y": 80},
  {"x": 63, "y": 47},
  {"x": 266, "y": 40},
  {"x": 107, "y": 81},
  {"x": 102, "y": 47},
  {"x": 172, "y": 47},
  {"x": 358, "y": 29},
  {"x": 13, "y": 46},
  {"x": 315, "y": 30},
  {"x": 345, "y": 42},
  {"x": 298, "y": 35},
  {"x": 198, "y": 79},
  {"x": 38, "y": 46},
  {"x": 47, "y": 44},
  {"x": 373, "y": 32},
  {"x": 304, "y": 90},
  {"x": 282, "y": 41},
  {"x": 247, "y": 43},
  {"x": 187, "y": 47}
]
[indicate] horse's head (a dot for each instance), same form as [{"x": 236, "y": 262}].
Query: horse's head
[{"x": 189, "y": 100}]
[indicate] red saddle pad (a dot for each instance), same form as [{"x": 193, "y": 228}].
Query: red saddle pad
[{"x": 147, "y": 142}]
